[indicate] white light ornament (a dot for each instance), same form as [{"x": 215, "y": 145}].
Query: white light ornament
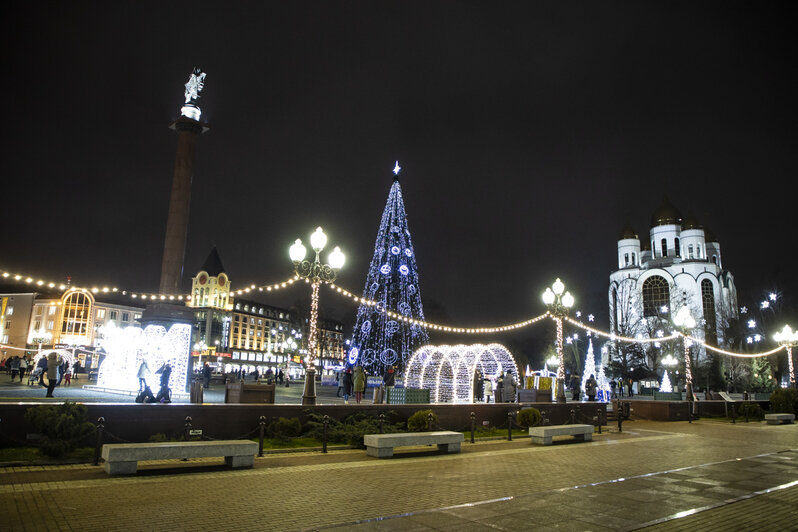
[
  {"x": 127, "y": 348},
  {"x": 788, "y": 339},
  {"x": 194, "y": 87}
]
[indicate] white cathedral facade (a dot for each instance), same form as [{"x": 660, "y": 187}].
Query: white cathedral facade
[{"x": 678, "y": 263}]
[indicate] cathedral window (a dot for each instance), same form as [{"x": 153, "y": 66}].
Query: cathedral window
[
  {"x": 715, "y": 260},
  {"x": 626, "y": 259},
  {"x": 690, "y": 254},
  {"x": 664, "y": 247},
  {"x": 656, "y": 295},
  {"x": 677, "y": 248},
  {"x": 708, "y": 301}
]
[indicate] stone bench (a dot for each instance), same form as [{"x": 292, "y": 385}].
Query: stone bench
[
  {"x": 382, "y": 445},
  {"x": 123, "y": 458},
  {"x": 778, "y": 419},
  {"x": 543, "y": 435}
]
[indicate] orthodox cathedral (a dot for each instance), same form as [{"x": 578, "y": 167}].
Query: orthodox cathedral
[{"x": 678, "y": 264}]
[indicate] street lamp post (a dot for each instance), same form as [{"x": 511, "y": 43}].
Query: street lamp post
[
  {"x": 559, "y": 301},
  {"x": 788, "y": 339},
  {"x": 316, "y": 273},
  {"x": 686, "y": 323}
]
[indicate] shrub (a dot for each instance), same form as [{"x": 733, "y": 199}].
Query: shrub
[
  {"x": 527, "y": 417},
  {"x": 314, "y": 428},
  {"x": 62, "y": 426},
  {"x": 784, "y": 401},
  {"x": 419, "y": 422},
  {"x": 359, "y": 424},
  {"x": 283, "y": 429}
]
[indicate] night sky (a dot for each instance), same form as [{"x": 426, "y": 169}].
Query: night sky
[{"x": 529, "y": 133}]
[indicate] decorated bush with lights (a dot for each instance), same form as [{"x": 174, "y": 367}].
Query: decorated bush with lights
[
  {"x": 379, "y": 340},
  {"x": 448, "y": 370},
  {"x": 126, "y": 348}
]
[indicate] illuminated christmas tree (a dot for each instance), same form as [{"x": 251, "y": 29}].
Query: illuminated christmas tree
[
  {"x": 590, "y": 365},
  {"x": 380, "y": 340},
  {"x": 665, "y": 386}
]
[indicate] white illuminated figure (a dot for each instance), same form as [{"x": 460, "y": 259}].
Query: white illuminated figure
[
  {"x": 126, "y": 348},
  {"x": 194, "y": 87},
  {"x": 448, "y": 370}
]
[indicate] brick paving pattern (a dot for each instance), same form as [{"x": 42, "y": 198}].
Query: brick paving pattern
[{"x": 643, "y": 477}]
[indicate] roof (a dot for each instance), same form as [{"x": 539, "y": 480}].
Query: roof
[
  {"x": 213, "y": 264},
  {"x": 666, "y": 214}
]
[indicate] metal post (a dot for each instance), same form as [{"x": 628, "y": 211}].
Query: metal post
[
  {"x": 98, "y": 446},
  {"x": 473, "y": 421},
  {"x": 429, "y": 422},
  {"x": 689, "y": 412},
  {"x": 325, "y": 421},
  {"x": 734, "y": 414},
  {"x": 382, "y": 421},
  {"x": 261, "y": 426},
  {"x": 509, "y": 426},
  {"x": 573, "y": 416},
  {"x": 620, "y": 416},
  {"x": 188, "y": 427}
]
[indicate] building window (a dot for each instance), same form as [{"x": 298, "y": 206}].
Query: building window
[
  {"x": 690, "y": 254},
  {"x": 677, "y": 248},
  {"x": 656, "y": 295},
  {"x": 626, "y": 259},
  {"x": 9, "y": 311},
  {"x": 39, "y": 311},
  {"x": 113, "y": 314},
  {"x": 50, "y": 325},
  {"x": 125, "y": 316},
  {"x": 8, "y": 325},
  {"x": 52, "y": 310},
  {"x": 664, "y": 247},
  {"x": 100, "y": 313},
  {"x": 708, "y": 301},
  {"x": 5, "y": 338}
]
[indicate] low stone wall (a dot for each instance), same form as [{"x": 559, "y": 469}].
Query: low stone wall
[
  {"x": 652, "y": 410},
  {"x": 137, "y": 422}
]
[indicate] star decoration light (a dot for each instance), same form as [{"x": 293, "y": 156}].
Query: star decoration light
[{"x": 396, "y": 168}]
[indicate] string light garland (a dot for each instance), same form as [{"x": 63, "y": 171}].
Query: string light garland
[{"x": 133, "y": 294}]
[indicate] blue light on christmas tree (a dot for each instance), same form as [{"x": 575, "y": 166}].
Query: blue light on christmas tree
[{"x": 379, "y": 341}]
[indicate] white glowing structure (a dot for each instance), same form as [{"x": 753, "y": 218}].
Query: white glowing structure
[
  {"x": 194, "y": 86},
  {"x": 665, "y": 386},
  {"x": 126, "y": 348},
  {"x": 65, "y": 354},
  {"x": 448, "y": 370}
]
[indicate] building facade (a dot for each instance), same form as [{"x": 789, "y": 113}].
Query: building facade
[{"x": 677, "y": 264}]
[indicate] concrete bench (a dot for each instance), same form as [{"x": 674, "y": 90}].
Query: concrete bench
[
  {"x": 123, "y": 458},
  {"x": 778, "y": 419},
  {"x": 382, "y": 445},
  {"x": 543, "y": 435}
]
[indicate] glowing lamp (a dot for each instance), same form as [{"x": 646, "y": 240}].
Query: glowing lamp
[
  {"x": 558, "y": 287},
  {"x": 297, "y": 251},
  {"x": 568, "y": 300},
  {"x": 336, "y": 258},
  {"x": 786, "y": 336},
  {"x": 548, "y": 296},
  {"x": 318, "y": 240},
  {"x": 684, "y": 319}
]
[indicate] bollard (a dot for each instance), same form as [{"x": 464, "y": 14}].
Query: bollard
[
  {"x": 325, "y": 421},
  {"x": 429, "y": 422},
  {"x": 747, "y": 408},
  {"x": 734, "y": 414},
  {"x": 261, "y": 426},
  {"x": 98, "y": 446},
  {"x": 473, "y": 421},
  {"x": 382, "y": 421},
  {"x": 620, "y": 416},
  {"x": 509, "y": 426},
  {"x": 573, "y": 416},
  {"x": 188, "y": 427},
  {"x": 599, "y": 420}
]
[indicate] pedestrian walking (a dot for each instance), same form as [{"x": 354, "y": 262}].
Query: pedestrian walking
[
  {"x": 142, "y": 373},
  {"x": 54, "y": 361},
  {"x": 612, "y": 389},
  {"x": 14, "y": 367},
  {"x": 359, "y": 382},
  {"x": 206, "y": 375},
  {"x": 42, "y": 365},
  {"x": 340, "y": 379},
  {"x": 23, "y": 367}
]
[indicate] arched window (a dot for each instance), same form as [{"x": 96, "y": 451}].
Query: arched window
[
  {"x": 715, "y": 260},
  {"x": 634, "y": 259},
  {"x": 76, "y": 313},
  {"x": 690, "y": 253},
  {"x": 615, "y": 309},
  {"x": 708, "y": 302},
  {"x": 677, "y": 248},
  {"x": 656, "y": 295},
  {"x": 626, "y": 259},
  {"x": 664, "y": 247}
]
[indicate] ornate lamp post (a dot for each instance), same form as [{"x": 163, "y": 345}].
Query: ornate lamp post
[
  {"x": 686, "y": 323},
  {"x": 559, "y": 302},
  {"x": 316, "y": 273},
  {"x": 788, "y": 339}
]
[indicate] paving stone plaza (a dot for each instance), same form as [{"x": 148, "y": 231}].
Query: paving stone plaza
[{"x": 708, "y": 475}]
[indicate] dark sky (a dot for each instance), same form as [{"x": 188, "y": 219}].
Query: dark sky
[{"x": 529, "y": 133}]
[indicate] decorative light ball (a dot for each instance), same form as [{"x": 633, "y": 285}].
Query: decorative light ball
[
  {"x": 297, "y": 251},
  {"x": 337, "y": 258},
  {"x": 318, "y": 240},
  {"x": 568, "y": 300},
  {"x": 558, "y": 287},
  {"x": 548, "y": 296}
]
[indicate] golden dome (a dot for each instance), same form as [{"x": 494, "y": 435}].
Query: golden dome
[
  {"x": 666, "y": 214},
  {"x": 691, "y": 222},
  {"x": 627, "y": 233}
]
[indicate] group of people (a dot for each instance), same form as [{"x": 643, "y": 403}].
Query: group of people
[
  {"x": 617, "y": 388},
  {"x": 506, "y": 387},
  {"x": 352, "y": 382},
  {"x": 145, "y": 393},
  {"x": 53, "y": 366}
]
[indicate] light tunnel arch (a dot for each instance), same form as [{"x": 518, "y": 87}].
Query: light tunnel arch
[{"x": 447, "y": 371}]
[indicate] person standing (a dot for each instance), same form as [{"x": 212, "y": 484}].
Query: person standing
[
  {"x": 389, "y": 381},
  {"x": 590, "y": 388},
  {"x": 42, "y": 363},
  {"x": 509, "y": 388},
  {"x": 347, "y": 385},
  {"x": 488, "y": 389},
  {"x": 53, "y": 362},
  {"x": 206, "y": 375},
  {"x": 612, "y": 389},
  {"x": 479, "y": 387},
  {"x": 340, "y": 378},
  {"x": 576, "y": 389},
  {"x": 14, "y": 368},
  {"x": 144, "y": 369},
  {"x": 76, "y": 369},
  {"x": 359, "y": 381}
]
